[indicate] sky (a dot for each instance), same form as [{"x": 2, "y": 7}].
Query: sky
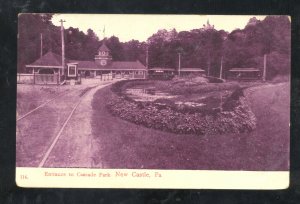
[{"x": 140, "y": 27}]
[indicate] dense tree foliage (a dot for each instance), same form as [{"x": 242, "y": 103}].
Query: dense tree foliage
[
  {"x": 78, "y": 45},
  {"x": 203, "y": 47},
  {"x": 29, "y": 28},
  {"x": 272, "y": 36}
]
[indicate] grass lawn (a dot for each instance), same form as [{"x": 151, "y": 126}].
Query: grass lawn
[
  {"x": 36, "y": 132},
  {"x": 31, "y": 96},
  {"x": 123, "y": 144}
]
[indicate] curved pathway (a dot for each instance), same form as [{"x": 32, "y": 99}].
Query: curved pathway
[{"x": 75, "y": 146}]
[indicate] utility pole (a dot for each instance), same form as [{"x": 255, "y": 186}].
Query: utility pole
[
  {"x": 265, "y": 67},
  {"x": 179, "y": 63},
  {"x": 147, "y": 57},
  {"x": 221, "y": 68},
  {"x": 41, "y": 44},
  {"x": 62, "y": 45}
]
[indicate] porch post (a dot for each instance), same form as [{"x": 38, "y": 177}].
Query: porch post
[
  {"x": 57, "y": 74},
  {"x": 33, "y": 76},
  {"x": 59, "y": 70}
]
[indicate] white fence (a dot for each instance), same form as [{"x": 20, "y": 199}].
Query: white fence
[
  {"x": 25, "y": 78},
  {"x": 37, "y": 78}
]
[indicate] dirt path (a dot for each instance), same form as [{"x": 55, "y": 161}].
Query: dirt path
[
  {"x": 75, "y": 146},
  {"x": 37, "y": 131},
  {"x": 125, "y": 145}
]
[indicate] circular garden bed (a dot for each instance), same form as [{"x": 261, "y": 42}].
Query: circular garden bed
[{"x": 180, "y": 107}]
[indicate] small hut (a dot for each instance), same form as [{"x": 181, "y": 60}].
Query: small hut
[
  {"x": 47, "y": 69},
  {"x": 161, "y": 73},
  {"x": 244, "y": 74},
  {"x": 188, "y": 71}
]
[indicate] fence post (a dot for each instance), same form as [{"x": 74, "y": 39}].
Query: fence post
[{"x": 33, "y": 76}]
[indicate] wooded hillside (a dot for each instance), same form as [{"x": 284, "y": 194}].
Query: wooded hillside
[{"x": 200, "y": 47}]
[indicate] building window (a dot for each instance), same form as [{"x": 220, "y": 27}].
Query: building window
[
  {"x": 136, "y": 72},
  {"x": 71, "y": 70},
  {"x": 140, "y": 72}
]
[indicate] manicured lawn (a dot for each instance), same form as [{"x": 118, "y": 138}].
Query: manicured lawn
[{"x": 123, "y": 144}]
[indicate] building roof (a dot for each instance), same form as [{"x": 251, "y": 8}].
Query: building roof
[
  {"x": 127, "y": 65},
  {"x": 185, "y": 69},
  {"x": 244, "y": 70},
  {"x": 103, "y": 47},
  {"x": 85, "y": 64},
  {"x": 114, "y": 65},
  {"x": 161, "y": 69},
  {"x": 49, "y": 59}
]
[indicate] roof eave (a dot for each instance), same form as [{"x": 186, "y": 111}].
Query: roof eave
[{"x": 43, "y": 66}]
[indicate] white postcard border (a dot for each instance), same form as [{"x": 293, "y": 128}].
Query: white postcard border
[{"x": 155, "y": 179}]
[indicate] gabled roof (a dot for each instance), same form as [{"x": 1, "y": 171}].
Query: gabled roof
[
  {"x": 251, "y": 69},
  {"x": 103, "y": 47},
  {"x": 114, "y": 65},
  {"x": 49, "y": 59},
  {"x": 54, "y": 60}
]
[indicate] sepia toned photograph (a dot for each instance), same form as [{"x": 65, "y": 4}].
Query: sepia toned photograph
[{"x": 153, "y": 92}]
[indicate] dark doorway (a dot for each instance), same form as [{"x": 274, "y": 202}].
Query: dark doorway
[
  {"x": 46, "y": 71},
  {"x": 87, "y": 74}
]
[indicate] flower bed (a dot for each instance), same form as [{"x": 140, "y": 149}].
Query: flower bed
[{"x": 236, "y": 115}]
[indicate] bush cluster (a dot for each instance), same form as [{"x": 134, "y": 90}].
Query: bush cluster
[{"x": 236, "y": 117}]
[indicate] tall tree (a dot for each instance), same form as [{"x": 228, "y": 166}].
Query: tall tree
[
  {"x": 30, "y": 27},
  {"x": 116, "y": 48}
]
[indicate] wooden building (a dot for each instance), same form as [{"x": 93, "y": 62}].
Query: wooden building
[
  {"x": 244, "y": 74},
  {"x": 50, "y": 63},
  {"x": 47, "y": 69},
  {"x": 161, "y": 73},
  {"x": 102, "y": 66},
  {"x": 194, "y": 71}
]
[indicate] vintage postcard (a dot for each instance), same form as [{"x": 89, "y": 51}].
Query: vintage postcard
[{"x": 153, "y": 101}]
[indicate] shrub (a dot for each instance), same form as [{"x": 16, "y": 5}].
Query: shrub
[
  {"x": 214, "y": 80},
  {"x": 163, "y": 114},
  {"x": 281, "y": 78},
  {"x": 240, "y": 119}
]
